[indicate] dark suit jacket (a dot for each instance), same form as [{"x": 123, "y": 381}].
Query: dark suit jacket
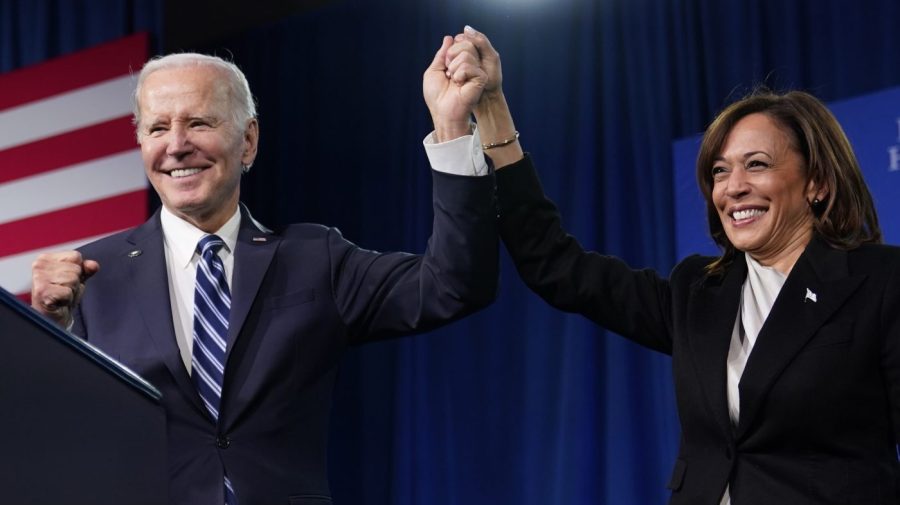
[
  {"x": 300, "y": 296},
  {"x": 820, "y": 395}
]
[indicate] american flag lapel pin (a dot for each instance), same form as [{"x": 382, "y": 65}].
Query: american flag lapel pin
[{"x": 810, "y": 296}]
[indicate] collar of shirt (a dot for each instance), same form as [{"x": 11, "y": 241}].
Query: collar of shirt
[{"x": 182, "y": 237}]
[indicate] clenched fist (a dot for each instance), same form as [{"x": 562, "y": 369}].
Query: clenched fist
[{"x": 58, "y": 283}]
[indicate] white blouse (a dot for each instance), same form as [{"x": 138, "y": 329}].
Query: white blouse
[{"x": 757, "y": 297}]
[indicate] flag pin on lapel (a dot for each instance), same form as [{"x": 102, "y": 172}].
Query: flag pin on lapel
[{"x": 810, "y": 296}]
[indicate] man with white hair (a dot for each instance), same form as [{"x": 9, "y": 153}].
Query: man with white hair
[{"x": 242, "y": 328}]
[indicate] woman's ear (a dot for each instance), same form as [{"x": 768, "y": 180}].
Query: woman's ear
[{"x": 816, "y": 193}]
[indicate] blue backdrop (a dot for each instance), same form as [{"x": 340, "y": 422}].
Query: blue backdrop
[{"x": 518, "y": 404}]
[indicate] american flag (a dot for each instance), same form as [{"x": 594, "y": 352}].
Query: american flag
[{"x": 70, "y": 168}]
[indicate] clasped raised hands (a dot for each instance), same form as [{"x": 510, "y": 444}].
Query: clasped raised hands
[{"x": 453, "y": 86}]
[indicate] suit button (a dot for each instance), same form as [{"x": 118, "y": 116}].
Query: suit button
[{"x": 223, "y": 442}]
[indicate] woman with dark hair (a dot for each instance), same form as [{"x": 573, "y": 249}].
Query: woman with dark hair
[
  {"x": 786, "y": 348},
  {"x": 845, "y": 218}
]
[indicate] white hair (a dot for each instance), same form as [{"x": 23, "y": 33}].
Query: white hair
[{"x": 242, "y": 106}]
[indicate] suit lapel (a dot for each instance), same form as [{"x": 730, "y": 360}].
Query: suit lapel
[
  {"x": 147, "y": 265},
  {"x": 253, "y": 254},
  {"x": 817, "y": 286},
  {"x": 712, "y": 312}
]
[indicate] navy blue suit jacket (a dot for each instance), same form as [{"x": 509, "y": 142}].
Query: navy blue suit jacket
[{"x": 300, "y": 296}]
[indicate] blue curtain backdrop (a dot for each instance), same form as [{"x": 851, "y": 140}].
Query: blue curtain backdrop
[
  {"x": 32, "y": 31},
  {"x": 519, "y": 404}
]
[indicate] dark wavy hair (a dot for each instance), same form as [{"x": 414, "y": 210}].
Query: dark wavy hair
[{"x": 847, "y": 217}]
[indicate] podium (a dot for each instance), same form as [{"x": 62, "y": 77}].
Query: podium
[{"x": 75, "y": 426}]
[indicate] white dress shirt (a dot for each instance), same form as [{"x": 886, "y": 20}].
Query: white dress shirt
[
  {"x": 461, "y": 156},
  {"x": 180, "y": 240}
]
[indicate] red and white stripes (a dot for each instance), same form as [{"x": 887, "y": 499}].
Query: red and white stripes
[{"x": 70, "y": 168}]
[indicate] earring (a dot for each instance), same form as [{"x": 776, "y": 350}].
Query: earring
[
  {"x": 817, "y": 206},
  {"x": 245, "y": 169}
]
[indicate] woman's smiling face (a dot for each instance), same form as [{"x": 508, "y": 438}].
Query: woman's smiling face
[{"x": 761, "y": 193}]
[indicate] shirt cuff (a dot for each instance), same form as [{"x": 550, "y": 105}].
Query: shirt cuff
[{"x": 460, "y": 156}]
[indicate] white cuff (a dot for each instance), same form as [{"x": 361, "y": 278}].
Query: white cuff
[{"x": 460, "y": 156}]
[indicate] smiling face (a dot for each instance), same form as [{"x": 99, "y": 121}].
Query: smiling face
[
  {"x": 761, "y": 192},
  {"x": 191, "y": 148}
]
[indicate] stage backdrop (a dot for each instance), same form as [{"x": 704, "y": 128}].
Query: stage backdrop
[{"x": 520, "y": 404}]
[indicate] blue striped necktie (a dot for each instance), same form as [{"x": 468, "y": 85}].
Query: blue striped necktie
[{"x": 212, "y": 305}]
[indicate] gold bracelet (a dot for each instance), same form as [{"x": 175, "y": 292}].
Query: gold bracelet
[{"x": 502, "y": 143}]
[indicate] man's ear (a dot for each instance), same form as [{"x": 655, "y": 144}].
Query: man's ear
[{"x": 251, "y": 142}]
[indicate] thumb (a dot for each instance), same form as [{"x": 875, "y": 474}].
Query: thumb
[
  {"x": 438, "y": 63},
  {"x": 481, "y": 42},
  {"x": 89, "y": 268}
]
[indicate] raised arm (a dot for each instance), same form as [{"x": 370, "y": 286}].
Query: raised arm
[
  {"x": 634, "y": 303},
  {"x": 385, "y": 295}
]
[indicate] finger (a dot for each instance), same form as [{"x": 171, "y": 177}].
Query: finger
[
  {"x": 77, "y": 293},
  {"x": 481, "y": 42},
  {"x": 57, "y": 272},
  {"x": 54, "y": 305},
  {"x": 460, "y": 76},
  {"x": 440, "y": 56},
  {"x": 89, "y": 268},
  {"x": 469, "y": 73},
  {"x": 61, "y": 259},
  {"x": 465, "y": 59},
  {"x": 53, "y": 297},
  {"x": 456, "y": 53},
  {"x": 461, "y": 47},
  {"x": 60, "y": 256}
]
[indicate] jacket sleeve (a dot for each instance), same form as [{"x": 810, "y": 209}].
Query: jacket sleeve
[
  {"x": 633, "y": 303},
  {"x": 381, "y": 295}
]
